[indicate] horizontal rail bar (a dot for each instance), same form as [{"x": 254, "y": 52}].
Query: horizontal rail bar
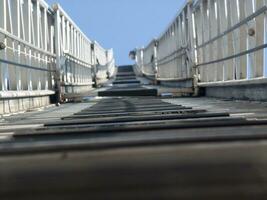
[
  {"x": 241, "y": 82},
  {"x": 25, "y": 66},
  {"x": 29, "y": 55},
  {"x": 182, "y": 50},
  {"x": 149, "y": 64},
  {"x": 241, "y": 23},
  {"x": 75, "y": 59},
  {"x": 7, "y": 34},
  {"x": 234, "y": 56},
  {"x": 166, "y": 57},
  {"x": 168, "y": 61}
]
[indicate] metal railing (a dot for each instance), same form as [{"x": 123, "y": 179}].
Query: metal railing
[
  {"x": 26, "y": 29},
  {"x": 215, "y": 41},
  {"x": 240, "y": 40},
  {"x": 171, "y": 51},
  {"x": 45, "y": 50},
  {"x": 111, "y": 63}
]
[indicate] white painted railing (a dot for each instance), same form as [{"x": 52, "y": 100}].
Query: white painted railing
[
  {"x": 150, "y": 63},
  {"x": 138, "y": 56},
  {"x": 45, "y": 51},
  {"x": 212, "y": 41},
  {"x": 28, "y": 61},
  {"x": 169, "y": 56},
  {"x": 174, "y": 47},
  {"x": 104, "y": 66},
  {"x": 111, "y": 66},
  {"x": 231, "y": 40},
  {"x": 74, "y": 54}
]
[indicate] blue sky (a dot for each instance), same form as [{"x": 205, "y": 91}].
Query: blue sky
[{"x": 121, "y": 24}]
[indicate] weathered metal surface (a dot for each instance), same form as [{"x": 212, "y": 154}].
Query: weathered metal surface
[{"x": 214, "y": 150}]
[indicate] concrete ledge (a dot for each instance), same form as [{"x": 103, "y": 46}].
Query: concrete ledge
[
  {"x": 78, "y": 92},
  {"x": 177, "y": 92},
  {"x": 253, "y": 92},
  {"x": 15, "y": 105},
  {"x": 73, "y": 90},
  {"x": 178, "y": 83},
  {"x": 25, "y": 94}
]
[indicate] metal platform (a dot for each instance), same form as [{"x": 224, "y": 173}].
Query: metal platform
[
  {"x": 136, "y": 147},
  {"x": 133, "y": 144},
  {"x": 139, "y": 148}
]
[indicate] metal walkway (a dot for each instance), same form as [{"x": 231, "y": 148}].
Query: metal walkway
[
  {"x": 138, "y": 147},
  {"x": 123, "y": 139}
]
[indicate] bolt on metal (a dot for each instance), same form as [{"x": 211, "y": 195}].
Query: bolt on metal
[{"x": 2, "y": 46}]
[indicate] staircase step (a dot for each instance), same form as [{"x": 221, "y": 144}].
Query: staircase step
[
  {"x": 127, "y": 82},
  {"x": 129, "y": 92}
]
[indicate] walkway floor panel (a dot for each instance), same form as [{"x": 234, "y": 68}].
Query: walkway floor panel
[{"x": 137, "y": 148}]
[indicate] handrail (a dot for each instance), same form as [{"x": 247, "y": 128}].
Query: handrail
[
  {"x": 234, "y": 56},
  {"x": 168, "y": 61},
  {"x": 25, "y": 66},
  {"x": 77, "y": 59},
  {"x": 148, "y": 64},
  {"x": 9, "y": 35},
  {"x": 241, "y": 23},
  {"x": 176, "y": 51}
]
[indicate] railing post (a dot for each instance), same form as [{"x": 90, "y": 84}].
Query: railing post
[
  {"x": 142, "y": 59},
  {"x": 251, "y": 40},
  {"x": 156, "y": 60},
  {"x": 3, "y": 66},
  {"x": 4, "y": 53},
  {"x": 265, "y": 50},
  {"x": 58, "y": 56},
  {"x": 192, "y": 44}
]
